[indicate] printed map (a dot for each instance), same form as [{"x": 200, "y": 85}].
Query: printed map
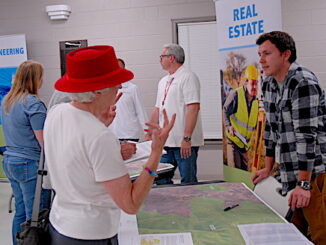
[{"x": 199, "y": 209}]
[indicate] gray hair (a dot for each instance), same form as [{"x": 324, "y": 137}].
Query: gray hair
[
  {"x": 177, "y": 51},
  {"x": 86, "y": 96}
]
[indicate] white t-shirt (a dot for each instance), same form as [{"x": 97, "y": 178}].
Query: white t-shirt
[
  {"x": 184, "y": 90},
  {"x": 81, "y": 152},
  {"x": 130, "y": 119}
]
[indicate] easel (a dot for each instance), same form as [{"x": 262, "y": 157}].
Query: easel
[{"x": 259, "y": 140}]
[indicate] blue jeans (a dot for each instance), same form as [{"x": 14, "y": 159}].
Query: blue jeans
[
  {"x": 187, "y": 166},
  {"x": 22, "y": 174}
]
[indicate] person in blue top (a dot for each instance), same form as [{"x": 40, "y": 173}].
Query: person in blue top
[{"x": 23, "y": 115}]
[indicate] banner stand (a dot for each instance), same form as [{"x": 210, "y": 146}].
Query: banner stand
[
  {"x": 239, "y": 24},
  {"x": 12, "y": 53}
]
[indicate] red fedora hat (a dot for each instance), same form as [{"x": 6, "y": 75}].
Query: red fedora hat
[{"x": 92, "y": 68}]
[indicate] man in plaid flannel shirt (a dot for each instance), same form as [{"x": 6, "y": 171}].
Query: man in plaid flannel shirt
[{"x": 295, "y": 131}]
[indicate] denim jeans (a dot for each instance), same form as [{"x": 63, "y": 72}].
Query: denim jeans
[
  {"x": 187, "y": 166},
  {"x": 22, "y": 174}
]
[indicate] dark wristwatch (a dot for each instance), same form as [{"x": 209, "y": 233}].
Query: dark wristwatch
[
  {"x": 304, "y": 184},
  {"x": 187, "y": 138}
]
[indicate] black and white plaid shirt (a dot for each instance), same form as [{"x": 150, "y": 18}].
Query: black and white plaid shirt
[{"x": 295, "y": 128}]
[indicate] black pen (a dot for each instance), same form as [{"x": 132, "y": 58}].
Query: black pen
[{"x": 230, "y": 207}]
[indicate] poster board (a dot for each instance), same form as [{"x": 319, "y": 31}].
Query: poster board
[
  {"x": 12, "y": 52},
  {"x": 239, "y": 24}
]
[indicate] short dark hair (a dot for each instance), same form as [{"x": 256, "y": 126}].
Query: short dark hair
[
  {"x": 121, "y": 60},
  {"x": 282, "y": 40}
]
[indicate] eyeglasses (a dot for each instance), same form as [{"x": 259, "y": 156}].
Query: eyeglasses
[{"x": 164, "y": 55}]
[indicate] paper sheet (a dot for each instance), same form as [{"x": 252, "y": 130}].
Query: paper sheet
[
  {"x": 272, "y": 234},
  {"x": 166, "y": 239},
  {"x": 128, "y": 230},
  {"x": 243, "y": 139},
  {"x": 128, "y": 234}
]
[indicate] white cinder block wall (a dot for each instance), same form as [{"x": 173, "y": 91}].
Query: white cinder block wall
[
  {"x": 305, "y": 21},
  {"x": 138, "y": 29}
]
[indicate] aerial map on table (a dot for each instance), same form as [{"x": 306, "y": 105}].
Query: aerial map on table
[{"x": 199, "y": 209}]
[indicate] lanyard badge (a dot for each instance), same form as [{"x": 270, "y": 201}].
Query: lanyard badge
[{"x": 166, "y": 91}]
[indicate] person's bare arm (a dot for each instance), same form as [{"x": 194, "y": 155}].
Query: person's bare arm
[
  {"x": 300, "y": 198},
  {"x": 129, "y": 196},
  {"x": 191, "y": 120},
  {"x": 39, "y": 136},
  {"x": 265, "y": 172}
]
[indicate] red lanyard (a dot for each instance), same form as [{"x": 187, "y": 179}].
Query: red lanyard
[{"x": 167, "y": 87}]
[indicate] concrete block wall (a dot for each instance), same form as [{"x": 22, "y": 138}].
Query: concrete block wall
[
  {"x": 138, "y": 29},
  {"x": 306, "y": 22}
]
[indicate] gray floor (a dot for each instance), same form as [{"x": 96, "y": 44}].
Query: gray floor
[{"x": 5, "y": 217}]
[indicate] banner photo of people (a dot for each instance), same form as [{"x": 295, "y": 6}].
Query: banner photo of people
[
  {"x": 12, "y": 53},
  {"x": 239, "y": 24}
]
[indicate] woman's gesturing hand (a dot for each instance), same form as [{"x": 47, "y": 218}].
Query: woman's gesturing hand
[{"x": 160, "y": 135}]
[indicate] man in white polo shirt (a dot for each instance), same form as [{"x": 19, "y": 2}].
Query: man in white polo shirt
[{"x": 179, "y": 92}]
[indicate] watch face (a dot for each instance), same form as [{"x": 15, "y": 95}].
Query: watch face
[
  {"x": 304, "y": 185},
  {"x": 186, "y": 138}
]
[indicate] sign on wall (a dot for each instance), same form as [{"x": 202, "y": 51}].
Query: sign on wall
[
  {"x": 239, "y": 24},
  {"x": 12, "y": 53}
]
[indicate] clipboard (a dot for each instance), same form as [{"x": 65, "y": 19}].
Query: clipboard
[
  {"x": 243, "y": 139},
  {"x": 269, "y": 190}
]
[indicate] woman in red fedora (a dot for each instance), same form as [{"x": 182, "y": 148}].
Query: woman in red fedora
[{"x": 83, "y": 157}]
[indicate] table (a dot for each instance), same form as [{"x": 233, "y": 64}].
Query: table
[{"x": 199, "y": 209}]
